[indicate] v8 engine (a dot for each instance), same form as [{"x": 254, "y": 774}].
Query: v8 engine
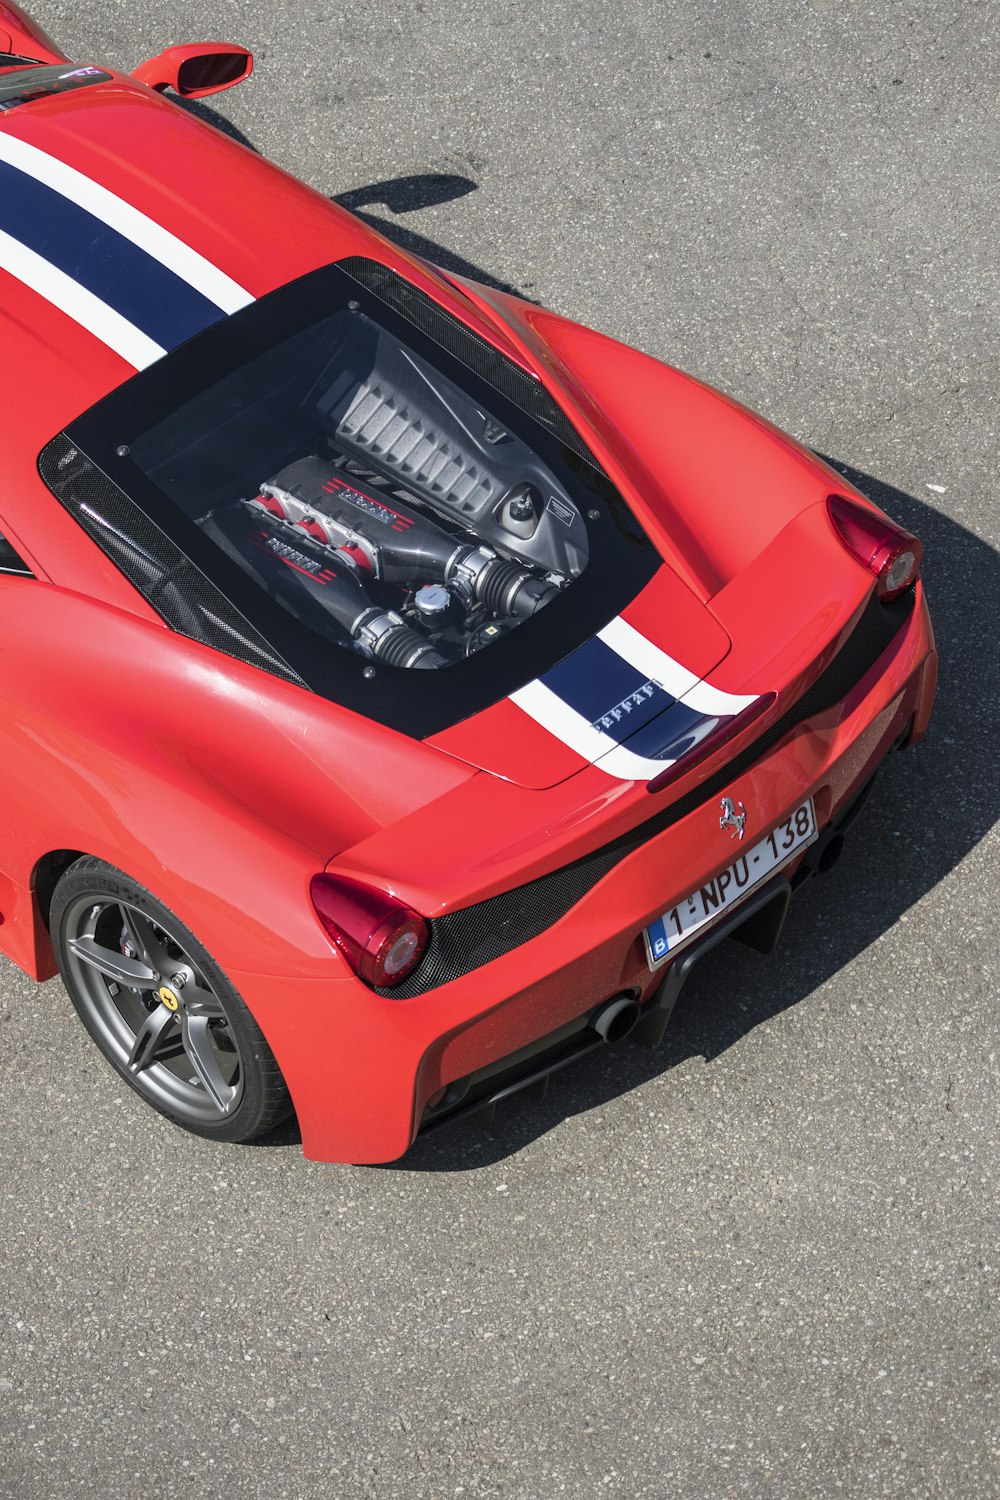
[{"x": 399, "y": 585}]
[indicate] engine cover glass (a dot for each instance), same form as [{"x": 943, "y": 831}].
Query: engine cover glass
[
  {"x": 25, "y": 85},
  {"x": 345, "y": 475},
  {"x": 375, "y": 508}
]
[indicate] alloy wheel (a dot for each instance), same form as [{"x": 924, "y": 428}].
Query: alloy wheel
[{"x": 154, "y": 1010}]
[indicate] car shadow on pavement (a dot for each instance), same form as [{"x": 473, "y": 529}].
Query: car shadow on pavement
[
  {"x": 210, "y": 116},
  {"x": 401, "y": 195},
  {"x": 931, "y": 806}
]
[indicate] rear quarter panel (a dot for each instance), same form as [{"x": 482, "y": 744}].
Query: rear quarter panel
[{"x": 220, "y": 788}]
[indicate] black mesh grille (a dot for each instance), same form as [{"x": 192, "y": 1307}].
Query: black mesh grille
[
  {"x": 475, "y": 352},
  {"x": 475, "y": 935},
  {"x": 176, "y": 589}
]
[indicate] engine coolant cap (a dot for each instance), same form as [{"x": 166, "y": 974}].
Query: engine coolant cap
[{"x": 432, "y": 600}]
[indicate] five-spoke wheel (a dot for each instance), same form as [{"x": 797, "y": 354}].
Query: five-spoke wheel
[{"x": 160, "y": 1009}]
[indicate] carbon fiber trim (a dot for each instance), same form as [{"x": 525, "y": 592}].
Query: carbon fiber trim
[
  {"x": 176, "y": 589},
  {"x": 467, "y": 939},
  {"x": 474, "y": 351},
  {"x": 10, "y": 562}
]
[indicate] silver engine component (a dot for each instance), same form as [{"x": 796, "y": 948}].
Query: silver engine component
[
  {"x": 518, "y": 512},
  {"x": 351, "y": 540},
  {"x": 431, "y": 601}
]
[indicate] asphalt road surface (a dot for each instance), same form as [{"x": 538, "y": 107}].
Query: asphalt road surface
[{"x": 763, "y": 1261}]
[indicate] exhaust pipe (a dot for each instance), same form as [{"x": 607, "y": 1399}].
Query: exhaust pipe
[
  {"x": 615, "y": 1020},
  {"x": 823, "y": 855}
]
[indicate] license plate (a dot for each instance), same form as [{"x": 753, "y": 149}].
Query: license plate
[{"x": 676, "y": 927}]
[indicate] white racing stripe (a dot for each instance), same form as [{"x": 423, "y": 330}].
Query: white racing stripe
[
  {"x": 546, "y": 708},
  {"x": 128, "y": 221},
  {"x": 563, "y": 721},
  {"x": 676, "y": 680},
  {"x": 75, "y": 300}
]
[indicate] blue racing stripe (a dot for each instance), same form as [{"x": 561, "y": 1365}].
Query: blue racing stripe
[
  {"x": 607, "y": 690},
  {"x": 152, "y": 297},
  {"x": 673, "y": 734}
]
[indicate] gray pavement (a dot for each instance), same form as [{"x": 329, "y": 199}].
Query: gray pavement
[{"x": 762, "y": 1262}]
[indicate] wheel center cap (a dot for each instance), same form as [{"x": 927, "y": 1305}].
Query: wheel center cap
[{"x": 170, "y": 1000}]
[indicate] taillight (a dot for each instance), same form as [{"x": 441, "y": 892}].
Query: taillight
[
  {"x": 891, "y": 553},
  {"x": 382, "y": 939}
]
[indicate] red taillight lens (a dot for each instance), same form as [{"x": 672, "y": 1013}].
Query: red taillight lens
[
  {"x": 382, "y": 939},
  {"x": 891, "y": 553}
]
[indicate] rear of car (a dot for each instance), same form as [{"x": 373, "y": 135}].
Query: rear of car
[{"x": 518, "y": 983}]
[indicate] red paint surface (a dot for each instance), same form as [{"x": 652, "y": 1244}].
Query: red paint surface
[{"x": 20, "y": 35}]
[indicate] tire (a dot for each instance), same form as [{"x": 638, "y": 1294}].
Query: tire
[{"x": 160, "y": 1009}]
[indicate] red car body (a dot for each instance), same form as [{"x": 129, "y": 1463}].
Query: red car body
[{"x": 224, "y": 789}]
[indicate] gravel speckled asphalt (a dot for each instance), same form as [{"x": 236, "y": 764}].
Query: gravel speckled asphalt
[{"x": 762, "y": 1262}]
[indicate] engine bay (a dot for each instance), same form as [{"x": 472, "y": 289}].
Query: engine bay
[
  {"x": 346, "y": 485},
  {"x": 402, "y": 586},
  {"x": 405, "y": 522}
]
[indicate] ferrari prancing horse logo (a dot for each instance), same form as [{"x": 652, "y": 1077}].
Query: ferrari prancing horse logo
[
  {"x": 168, "y": 997},
  {"x": 734, "y": 817}
]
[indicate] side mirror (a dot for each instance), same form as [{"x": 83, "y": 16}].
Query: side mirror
[{"x": 196, "y": 69}]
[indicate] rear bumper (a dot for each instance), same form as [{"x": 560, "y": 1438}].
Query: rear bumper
[
  {"x": 362, "y": 1068},
  {"x": 757, "y": 921}
]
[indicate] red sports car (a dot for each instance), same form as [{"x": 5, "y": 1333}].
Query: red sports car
[{"x": 402, "y": 685}]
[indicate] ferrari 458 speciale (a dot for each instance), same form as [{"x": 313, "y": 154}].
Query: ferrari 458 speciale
[{"x": 401, "y": 686}]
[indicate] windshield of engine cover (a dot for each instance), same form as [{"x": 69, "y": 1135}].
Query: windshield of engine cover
[
  {"x": 375, "y": 506},
  {"x": 382, "y": 507}
]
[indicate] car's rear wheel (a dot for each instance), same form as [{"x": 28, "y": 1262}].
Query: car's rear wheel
[{"x": 160, "y": 1009}]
